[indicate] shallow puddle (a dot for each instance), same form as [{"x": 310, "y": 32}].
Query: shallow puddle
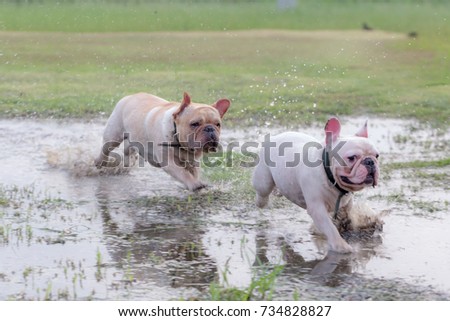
[{"x": 68, "y": 233}]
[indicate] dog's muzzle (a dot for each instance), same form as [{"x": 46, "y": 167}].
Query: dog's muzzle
[
  {"x": 210, "y": 132},
  {"x": 372, "y": 173},
  {"x": 211, "y": 146},
  {"x": 371, "y": 167},
  {"x": 212, "y": 139}
]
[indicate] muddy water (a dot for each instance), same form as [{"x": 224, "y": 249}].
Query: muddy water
[{"x": 67, "y": 232}]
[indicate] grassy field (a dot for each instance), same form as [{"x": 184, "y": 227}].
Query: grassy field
[
  {"x": 76, "y": 59},
  {"x": 184, "y": 15}
]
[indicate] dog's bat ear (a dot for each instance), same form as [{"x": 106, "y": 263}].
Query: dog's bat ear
[
  {"x": 222, "y": 106},
  {"x": 186, "y": 102},
  {"x": 332, "y": 129},
  {"x": 362, "y": 132}
]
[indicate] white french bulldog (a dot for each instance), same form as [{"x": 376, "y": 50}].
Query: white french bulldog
[{"x": 317, "y": 177}]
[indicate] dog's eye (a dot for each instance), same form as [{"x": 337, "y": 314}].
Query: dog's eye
[
  {"x": 195, "y": 124},
  {"x": 218, "y": 124},
  {"x": 377, "y": 155},
  {"x": 352, "y": 158}
]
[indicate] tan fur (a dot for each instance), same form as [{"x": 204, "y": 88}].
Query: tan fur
[{"x": 149, "y": 121}]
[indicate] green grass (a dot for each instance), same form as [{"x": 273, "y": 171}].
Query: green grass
[
  {"x": 108, "y": 50},
  {"x": 179, "y": 15},
  {"x": 232, "y": 168},
  {"x": 261, "y": 287},
  {"x": 418, "y": 164}
]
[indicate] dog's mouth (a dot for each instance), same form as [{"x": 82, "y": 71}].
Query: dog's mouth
[
  {"x": 347, "y": 180},
  {"x": 369, "y": 180},
  {"x": 211, "y": 146}
]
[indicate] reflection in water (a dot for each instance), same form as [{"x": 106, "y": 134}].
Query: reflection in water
[
  {"x": 154, "y": 247},
  {"x": 140, "y": 236},
  {"x": 181, "y": 242}
]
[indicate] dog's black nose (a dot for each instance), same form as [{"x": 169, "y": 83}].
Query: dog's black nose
[
  {"x": 368, "y": 162},
  {"x": 208, "y": 129}
]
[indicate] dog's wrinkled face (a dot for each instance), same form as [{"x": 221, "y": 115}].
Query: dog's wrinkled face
[
  {"x": 199, "y": 125},
  {"x": 357, "y": 164},
  {"x": 361, "y": 165}
]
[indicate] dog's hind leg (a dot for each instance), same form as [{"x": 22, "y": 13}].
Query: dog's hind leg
[
  {"x": 103, "y": 158},
  {"x": 113, "y": 136},
  {"x": 263, "y": 183}
]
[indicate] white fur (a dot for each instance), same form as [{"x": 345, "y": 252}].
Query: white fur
[{"x": 303, "y": 184}]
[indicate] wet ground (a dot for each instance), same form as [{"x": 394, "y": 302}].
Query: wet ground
[{"x": 67, "y": 232}]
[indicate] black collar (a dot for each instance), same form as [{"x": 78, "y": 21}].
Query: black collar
[
  {"x": 175, "y": 135},
  {"x": 327, "y": 167},
  {"x": 176, "y": 142}
]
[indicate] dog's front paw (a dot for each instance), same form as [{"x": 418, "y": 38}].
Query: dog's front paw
[
  {"x": 198, "y": 187},
  {"x": 261, "y": 201},
  {"x": 341, "y": 247}
]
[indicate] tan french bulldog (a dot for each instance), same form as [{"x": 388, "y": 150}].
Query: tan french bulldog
[
  {"x": 169, "y": 135},
  {"x": 318, "y": 177}
]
